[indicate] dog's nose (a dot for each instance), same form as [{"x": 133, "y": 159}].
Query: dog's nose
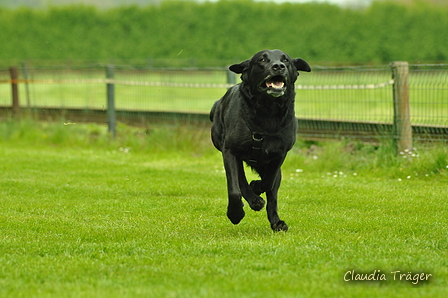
[{"x": 278, "y": 66}]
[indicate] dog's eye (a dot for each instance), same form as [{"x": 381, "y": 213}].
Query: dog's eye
[
  {"x": 285, "y": 60},
  {"x": 262, "y": 60}
]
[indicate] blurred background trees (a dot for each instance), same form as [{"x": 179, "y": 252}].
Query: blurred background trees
[{"x": 219, "y": 33}]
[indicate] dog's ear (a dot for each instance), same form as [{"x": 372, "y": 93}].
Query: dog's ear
[
  {"x": 301, "y": 64},
  {"x": 239, "y": 68}
]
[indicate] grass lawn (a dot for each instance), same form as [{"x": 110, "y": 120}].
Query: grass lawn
[{"x": 144, "y": 216}]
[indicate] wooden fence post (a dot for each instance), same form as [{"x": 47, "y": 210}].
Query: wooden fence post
[
  {"x": 27, "y": 89},
  {"x": 111, "y": 118},
  {"x": 402, "y": 115},
  {"x": 13, "y": 71}
]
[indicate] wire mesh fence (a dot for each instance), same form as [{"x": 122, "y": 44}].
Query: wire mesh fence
[
  {"x": 429, "y": 94},
  {"x": 346, "y": 94},
  {"x": 361, "y": 94},
  {"x": 180, "y": 90}
]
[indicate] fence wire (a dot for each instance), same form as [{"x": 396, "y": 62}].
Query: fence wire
[
  {"x": 428, "y": 88},
  {"x": 346, "y": 94},
  {"x": 350, "y": 94}
]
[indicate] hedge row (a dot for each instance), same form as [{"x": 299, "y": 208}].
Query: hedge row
[{"x": 228, "y": 31}]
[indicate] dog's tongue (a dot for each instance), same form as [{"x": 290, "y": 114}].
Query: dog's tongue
[{"x": 275, "y": 84}]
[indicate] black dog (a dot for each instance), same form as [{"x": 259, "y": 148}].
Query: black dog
[{"x": 255, "y": 122}]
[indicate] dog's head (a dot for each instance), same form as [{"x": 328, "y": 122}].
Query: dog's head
[{"x": 271, "y": 72}]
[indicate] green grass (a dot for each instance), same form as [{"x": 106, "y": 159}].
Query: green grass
[{"x": 144, "y": 216}]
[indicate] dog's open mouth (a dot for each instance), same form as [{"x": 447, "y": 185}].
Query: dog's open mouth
[
  {"x": 275, "y": 82},
  {"x": 274, "y": 85}
]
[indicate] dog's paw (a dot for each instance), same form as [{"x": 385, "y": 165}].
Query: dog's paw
[
  {"x": 279, "y": 226},
  {"x": 256, "y": 187},
  {"x": 235, "y": 214},
  {"x": 256, "y": 203}
]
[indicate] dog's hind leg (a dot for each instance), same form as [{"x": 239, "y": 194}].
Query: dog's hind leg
[
  {"x": 255, "y": 201},
  {"x": 268, "y": 174},
  {"x": 235, "y": 211},
  {"x": 255, "y": 185}
]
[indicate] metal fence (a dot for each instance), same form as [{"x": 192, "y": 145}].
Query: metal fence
[{"x": 330, "y": 101}]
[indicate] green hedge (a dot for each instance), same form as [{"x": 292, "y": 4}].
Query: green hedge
[{"x": 228, "y": 31}]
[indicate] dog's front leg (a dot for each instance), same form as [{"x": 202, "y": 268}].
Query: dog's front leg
[
  {"x": 276, "y": 223},
  {"x": 271, "y": 176},
  {"x": 232, "y": 165}
]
